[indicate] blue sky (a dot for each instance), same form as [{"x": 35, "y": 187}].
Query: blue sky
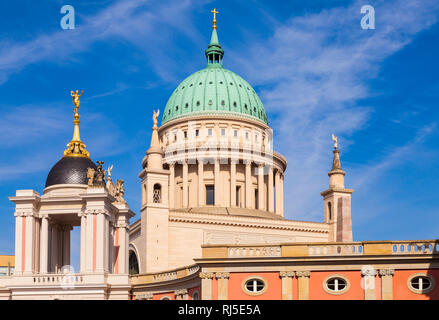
[{"x": 315, "y": 69}]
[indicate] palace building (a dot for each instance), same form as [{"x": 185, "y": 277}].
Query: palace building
[{"x": 212, "y": 219}]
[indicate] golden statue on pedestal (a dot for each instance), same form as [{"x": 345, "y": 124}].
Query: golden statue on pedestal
[
  {"x": 75, "y": 99},
  {"x": 76, "y": 148}
]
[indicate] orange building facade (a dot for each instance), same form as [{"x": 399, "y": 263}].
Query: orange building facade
[{"x": 370, "y": 270}]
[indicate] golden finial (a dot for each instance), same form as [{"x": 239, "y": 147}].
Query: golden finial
[
  {"x": 76, "y": 148},
  {"x": 214, "y": 17}
]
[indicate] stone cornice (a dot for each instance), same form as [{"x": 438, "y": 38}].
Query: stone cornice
[
  {"x": 206, "y": 116},
  {"x": 336, "y": 190},
  {"x": 252, "y": 222}
]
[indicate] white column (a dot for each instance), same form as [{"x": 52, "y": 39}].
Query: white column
[
  {"x": 30, "y": 245},
  {"x": 206, "y": 285},
  {"x": 83, "y": 244},
  {"x": 248, "y": 186},
  {"x": 217, "y": 187},
  {"x": 281, "y": 204},
  {"x": 232, "y": 183},
  {"x": 66, "y": 246},
  {"x": 185, "y": 185},
  {"x": 106, "y": 248},
  {"x": 126, "y": 245},
  {"x": 171, "y": 185},
  {"x": 44, "y": 245},
  {"x": 90, "y": 242},
  {"x": 261, "y": 189},
  {"x": 270, "y": 190},
  {"x": 123, "y": 250},
  {"x": 277, "y": 192},
  {"x": 100, "y": 242},
  {"x": 110, "y": 247},
  {"x": 201, "y": 200},
  {"x": 19, "y": 263},
  {"x": 54, "y": 249}
]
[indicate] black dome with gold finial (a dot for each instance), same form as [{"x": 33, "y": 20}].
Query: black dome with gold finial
[{"x": 73, "y": 166}]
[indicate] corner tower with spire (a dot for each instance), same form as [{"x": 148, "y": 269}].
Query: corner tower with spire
[
  {"x": 337, "y": 201},
  {"x": 153, "y": 249}
]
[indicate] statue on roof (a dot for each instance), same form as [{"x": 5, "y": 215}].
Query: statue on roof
[
  {"x": 75, "y": 99},
  {"x": 334, "y": 138},
  {"x": 155, "y": 116}
]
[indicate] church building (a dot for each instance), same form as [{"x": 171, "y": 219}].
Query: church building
[{"x": 212, "y": 218}]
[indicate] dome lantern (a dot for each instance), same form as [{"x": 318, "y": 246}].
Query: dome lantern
[{"x": 214, "y": 52}]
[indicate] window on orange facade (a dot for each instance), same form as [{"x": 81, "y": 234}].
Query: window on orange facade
[
  {"x": 421, "y": 283},
  {"x": 336, "y": 284},
  {"x": 254, "y": 285}
]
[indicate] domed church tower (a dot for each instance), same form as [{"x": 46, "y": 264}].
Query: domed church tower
[
  {"x": 77, "y": 194},
  {"x": 224, "y": 180}
]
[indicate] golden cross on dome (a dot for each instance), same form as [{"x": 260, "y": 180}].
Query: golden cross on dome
[{"x": 214, "y": 17}]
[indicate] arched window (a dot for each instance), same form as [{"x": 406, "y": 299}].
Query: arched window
[
  {"x": 157, "y": 193},
  {"x": 195, "y": 296},
  {"x": 133, "y": 263}
]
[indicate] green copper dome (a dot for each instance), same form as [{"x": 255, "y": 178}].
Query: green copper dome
[{"x": 214, "y": 91}]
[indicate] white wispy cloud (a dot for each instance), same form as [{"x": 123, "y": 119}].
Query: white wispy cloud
[
  {"x": 146, "y": 24},
  {"x": 312, "y": 74}
]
